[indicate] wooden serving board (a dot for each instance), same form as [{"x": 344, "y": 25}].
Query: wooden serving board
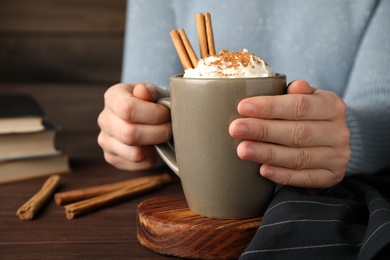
[{"x": 167, "y": 226}]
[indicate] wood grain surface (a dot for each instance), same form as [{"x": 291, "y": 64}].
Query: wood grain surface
[
  {"x": 61, "y": 41},
  {"x": 167, "y": 226},
  {"x": 108, "y": 233}
]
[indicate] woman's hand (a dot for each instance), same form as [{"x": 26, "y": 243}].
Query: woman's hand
[
  {"x": 301, "y": 138},
  {"x": 131, "y": 124}
]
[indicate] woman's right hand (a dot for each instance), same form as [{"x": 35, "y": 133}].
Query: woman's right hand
[{"x": 131, "y": 124}]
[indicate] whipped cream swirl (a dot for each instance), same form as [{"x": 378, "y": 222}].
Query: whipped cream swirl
[{"x": 230, "y": 65}]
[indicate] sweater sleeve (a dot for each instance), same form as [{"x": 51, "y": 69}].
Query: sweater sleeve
[
  {"x": 149, "y": 55},
  {"x": 368, "y": 97}
]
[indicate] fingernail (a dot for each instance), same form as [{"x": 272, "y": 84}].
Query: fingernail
[
  {"x": 267, "y": 171},
  {"x": 241, "y": 129},
  {"x": 246, "y": 151},
  {"x": 246, "y": 108},
  {"x": 250, "y": 151},
  {"x": 291, "y": 83}
]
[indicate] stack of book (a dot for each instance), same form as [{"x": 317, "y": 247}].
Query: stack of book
[{"x": 27, "y": 141}]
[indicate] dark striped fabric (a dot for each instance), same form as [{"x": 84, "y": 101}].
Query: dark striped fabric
[{"x": 349, "y": 221}]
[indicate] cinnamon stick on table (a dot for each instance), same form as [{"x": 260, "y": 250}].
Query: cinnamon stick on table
[
  {"x": 85, "y": 206},
  {"x": 34, "y": 204},
  {"x": 67, "y": 197}
]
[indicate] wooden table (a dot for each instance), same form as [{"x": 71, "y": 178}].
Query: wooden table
[{"x": 109, "y": 233}]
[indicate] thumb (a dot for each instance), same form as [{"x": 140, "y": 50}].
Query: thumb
[
  {"x": 148, "y": 92},
  {"x": 300, "y": 87}
]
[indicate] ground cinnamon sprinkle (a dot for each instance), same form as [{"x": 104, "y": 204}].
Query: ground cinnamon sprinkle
[
  {"x": 233, "y": 59},
  {"x": 228, "y": 64}
]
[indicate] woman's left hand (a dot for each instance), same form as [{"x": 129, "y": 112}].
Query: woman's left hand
[{"x": 301, "y": 138}]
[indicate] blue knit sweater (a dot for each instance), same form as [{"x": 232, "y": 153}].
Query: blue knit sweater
[{"x": 341, "y": 46}]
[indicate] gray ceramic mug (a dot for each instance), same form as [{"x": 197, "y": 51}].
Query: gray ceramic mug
[{"x": 216, "y": 182}]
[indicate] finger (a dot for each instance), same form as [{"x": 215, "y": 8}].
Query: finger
[
  {"x": 289, "y": 133},
  {"x": 123, "y": 164},
  {"x": 126, "y": 157},
  {"x": 133, "y": 133},
  {"x": 291, "y": 157},
  {"x": 321, "y": 105},
  {"x": 148, "y": 92},
  {"x": 300, "y": 87},
  {"x": 120, "y": 100},
  {"x": 139, "y": 111},
  {"x": 307, "y": 178},
  {"x": 140, "y": 134}
]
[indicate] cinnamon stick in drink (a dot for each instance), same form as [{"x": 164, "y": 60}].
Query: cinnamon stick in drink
[
  {"x": 181, "y": 50},
  {"x": 209, "y": 34},
  {"x": 187, "y": 44},
  {"x": 202, "y": 37},
  {"x": 85, "y": 206},
  {"x": 67, "y": 197},
  {"x": 34, "y": 204}
]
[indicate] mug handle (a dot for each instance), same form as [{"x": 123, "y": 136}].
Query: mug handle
[{"x": 166, "y": 150}]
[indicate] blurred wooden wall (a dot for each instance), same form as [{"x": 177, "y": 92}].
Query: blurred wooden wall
[{"x": 65, "y": 53}]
